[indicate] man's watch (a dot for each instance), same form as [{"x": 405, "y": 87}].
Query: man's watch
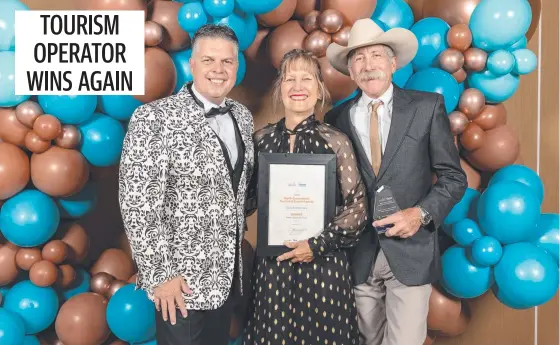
[{"x": 426, "y": 218}]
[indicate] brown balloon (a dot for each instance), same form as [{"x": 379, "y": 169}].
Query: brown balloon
[
  {"x": 120, "y": 342},
  {"x": 457, "y": 325},
  {"x": 458, "y": 122},
  {"x": 339, "y": 85},
  {"x": 27, "y": 112},
  {"x": 132, "y": 280},
  {"x": 116, "y": 263},
  {"x": 116, "y": 5},
  {"x": 452, "y": 11},
  {"x": 536, "y": 15},
  {"x": 351, "y": 10},
  {"x": 342, "y": 36},
  {"x": 153, "y": 34},
  {"x": 311, "y": 21},
  {"x": 165, "y": 13},
  {"x": 43, "y": 273},
  {"x": 491, "y": 116},
  {"x": 8, "y": 269},
  {"x": 317, "y": 42},
  {"x": 69, "y": 138},
  {"x": 81, "y": 320},
  {"x": 115, "y": 286},
  {"x": 35, "y": 144},
  {"x": 279, "y": 15},
  {"x": 27, "y": 257},
  {"x": 501, "y": 148},
  {"x": 460, "y": 75},
  {"x": 257, "y": 50},
  {"x": 303, "y": 7},
  {"x": 59, "y": 172},
  {"x": 76, "y": 237},
  {"x": 160, "y": 74},
  {"x": 101, "y": 283},
  {"x": 471, "y": 102},
  {"x": 451, "y": 60},
  {"x": 11, "y": 130},
  {"x": 473, "y": 176},
  {"x": 472, "y": 137},
  {"x": 330, "y": 21},
  {"x": 459, "y": 37},
  {"x": 283, "y": 39},
  {"x": 14, "y": 170},
  {"x": 66, "y": 275},
  {"x": 475, "y": 59},
  {"x": 441, "y": 309},
  {"x": 47, "y": 127},
  {"x": 416, "y": 6},
  {"x": 55, "y": 251},
  {"x": 430, "y": 337}
]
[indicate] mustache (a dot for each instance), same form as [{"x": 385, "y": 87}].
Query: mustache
[{"x": 372, "y": 75}]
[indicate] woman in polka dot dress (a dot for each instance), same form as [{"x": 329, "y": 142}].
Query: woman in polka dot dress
[{"x": 305, "y": 296}]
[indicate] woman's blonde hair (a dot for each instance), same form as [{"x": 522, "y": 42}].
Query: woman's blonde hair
[{"x": 309, "y": 62}]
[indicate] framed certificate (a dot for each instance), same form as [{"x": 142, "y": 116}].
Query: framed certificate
[{"x": 296, "y": 198}]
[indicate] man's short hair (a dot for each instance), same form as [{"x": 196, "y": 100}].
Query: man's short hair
[{"x": 214, "y": 31}]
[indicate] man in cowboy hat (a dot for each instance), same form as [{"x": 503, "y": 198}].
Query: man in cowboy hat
[{"x": 401, "y": 137}]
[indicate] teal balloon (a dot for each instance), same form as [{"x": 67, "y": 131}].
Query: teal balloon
[
  {"x": 191, "y": 16},
  {"x": 431, "y": 34},
  {"x": 219, "y": 8},
  {"x": 461, "y": 277},
  {"x": 526, "y": 276},
  {"x": 486, "y": 251},
  {"x": 497, "y": 24},
  {"x": 352, "y": 95},
  {"x": 522, "y": 43},
  {"x": 8, "y": 97},
  {"x": 401, "y": 76},
  {"x": 525, "y": 61},
  {"x": 79, "y": 204},
  {"x": 520, "y": 173},
  {"x": 79, "y": 285},
  {"x": 465, "y": 208},
  {"x": 500, "y": 62},
  {"x": 241, "y": 68},
  {"x": 70, "y": 110},
  {"x": 8, "y": 10},
  {"x": 12, "y": 328},
  {"x": 465, "y": 232},
  {"x": 508, "y": 211},
  {"x": 120, "y": 107},
  {"x": 394, "y": 14},
  {"x": 102, "y": 140},
  {"x": 258, "y": 6},
  {"x": 31, "y": 340},
  {"x": 547, "y": 235},
  {"x": 439, "y": 81},
  {"x": 182, "y": 67},
  {"x": 244, "y": 27},
  {"x": 496, "y": 89}
]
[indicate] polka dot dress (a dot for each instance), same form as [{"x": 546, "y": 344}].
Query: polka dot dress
[{"x": 311, "y": 303}]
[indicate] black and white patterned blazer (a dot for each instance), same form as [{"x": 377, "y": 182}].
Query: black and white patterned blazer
[{"x": 180, "y": 213}]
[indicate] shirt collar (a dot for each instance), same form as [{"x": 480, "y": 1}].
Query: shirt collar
[
  {"x": 386, "y": 97},
  {"x": 207, "y": 104}
]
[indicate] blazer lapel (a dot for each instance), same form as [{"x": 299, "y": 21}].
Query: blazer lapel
[{"x": 400, "y": 123}]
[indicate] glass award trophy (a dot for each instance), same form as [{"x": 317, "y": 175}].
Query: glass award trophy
[{"x": 385, "y": 205}]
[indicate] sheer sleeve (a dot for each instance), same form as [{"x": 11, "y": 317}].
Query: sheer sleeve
[
  {"x": 251, "y": 201},
  {"x": 350, "y": 220}
]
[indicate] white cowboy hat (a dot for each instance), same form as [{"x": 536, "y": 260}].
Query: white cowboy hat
[{"x": 365, "y": 32}]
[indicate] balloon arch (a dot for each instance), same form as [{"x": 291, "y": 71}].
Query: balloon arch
[{"x": 55, "y": 147}]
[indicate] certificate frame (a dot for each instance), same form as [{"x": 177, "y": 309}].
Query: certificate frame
[{"x": 265, "y": 161}]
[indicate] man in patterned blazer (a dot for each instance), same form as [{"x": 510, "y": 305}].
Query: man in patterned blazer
[{"x": 184, "y": 171}]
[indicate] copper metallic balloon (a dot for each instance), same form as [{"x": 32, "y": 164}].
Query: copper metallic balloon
[
  {"x": 43, "y": 273},
  {"x": 339, "y": 85},
  {"x": 473, "y": 175},
  {"x": 81, "y": 320},
  {"x": 491, "y": 116},
  {"x": 451, "y": 60},
  {"x": 55, "y": 251},
  {"x": 69, "y": 138},
  {"x": 460, "y": 75},
  {"x": 351, "y": 10},
  {"x": 442, "y": 309},
  {"x": 66, "y": 275},
  {"x": 472, "y": 137},
  {"x": 279, "y": 15},
  {"x": 14, "y": 170},
  {"x": 458, "y": 122},
  {"x": 101, "y": 283},
  {"x": 283, "y": 39},
  {"x": 59, "y": 172},
  {"x": 77, "y": 239},
  {"x": 501, "y": 148},
  {"x": 311, "y": 21},
  {"x": 475, "y": 59},
  {"x": 471, "y": 102},
  {"x": 116, "y": 263},
  {"x": 341, "y": 36},
  {"x": 257, "y": 50},
  {"x": 165, "y": 13},
  {"x": 8, "y": 268},
  {"x": 27, "y": 257},
  {"x": 317, "y": 42},
  {"x": 27, "y": 112},
  {"x": 153, "y": 34},
  {"x": 536, "y": 15},
  {"x": 160, "y": 76},
  {"x": 47, "y": 127},
  {"x": 11, "y": 130},
  {"x": 116, "y": 5},
  {"x": 330, "y": 21},
  {"x": 452, "y": 11},
  {"x": 132, "y": 280},
  {"x": 459, "y": 37},
  {"x": 35, "y": 144},
  {"x": 303, "y": 7},
  {"x": 115, "y": 286}
]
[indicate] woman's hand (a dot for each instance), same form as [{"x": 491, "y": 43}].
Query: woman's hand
[{"x": 301, "y": 252}]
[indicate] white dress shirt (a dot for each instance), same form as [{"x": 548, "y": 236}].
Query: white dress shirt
[
  {"x": 223, "y": 126},
  {"x": 360, "y": 116}
]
